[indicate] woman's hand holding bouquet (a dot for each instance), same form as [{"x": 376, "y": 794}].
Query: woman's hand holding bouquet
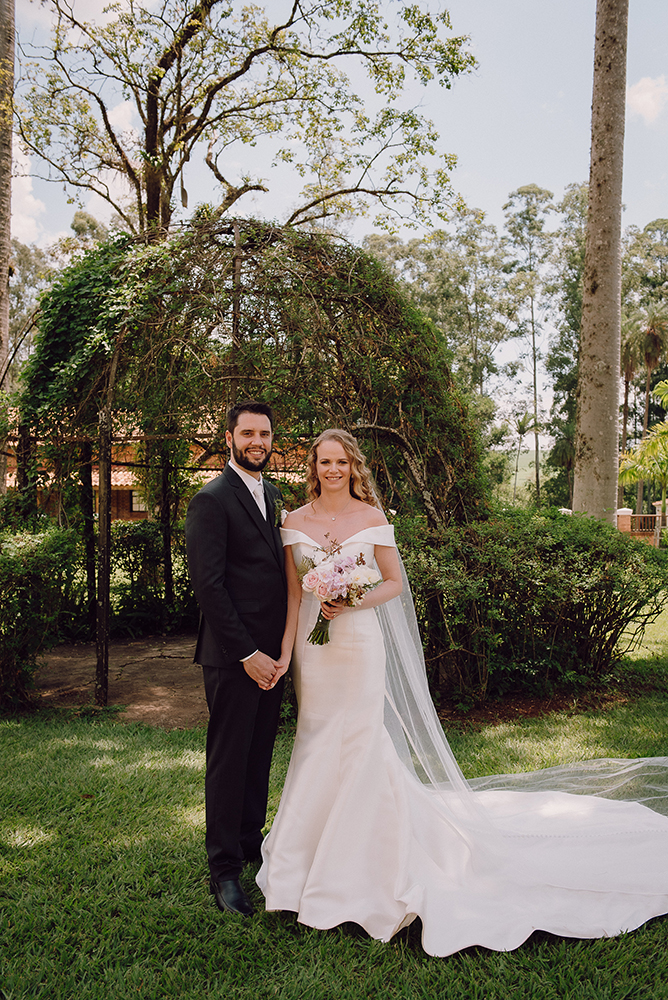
[{"x": 333, "y": 577}]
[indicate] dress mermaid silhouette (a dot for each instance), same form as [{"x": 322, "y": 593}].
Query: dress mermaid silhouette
[{"x": 371, "y": 829}]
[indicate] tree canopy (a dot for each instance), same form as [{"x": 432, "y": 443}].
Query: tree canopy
[
  {"x": 456, "y": 277},
  {"x": 214, "y": 74},
  {"x": 317, "y": 327}
]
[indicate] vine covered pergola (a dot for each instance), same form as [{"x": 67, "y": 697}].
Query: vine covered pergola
[{"x": 160, "y": 336}]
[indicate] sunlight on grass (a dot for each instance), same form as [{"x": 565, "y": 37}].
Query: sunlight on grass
[
  {"x": 655, "y": 640},
  {"x": 192, "y": 818},
  {"x": 77, "y": 741},
  {"x": 24, "y": 836},
  {"x": 637, "y": 730},
  {"x": 155, "y": 760},
  {"x": 104, "y": 885},
  {"x": 185, "y": 824}
]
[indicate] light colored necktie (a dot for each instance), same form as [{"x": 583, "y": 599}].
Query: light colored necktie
[{"x": 258, "y": 496}]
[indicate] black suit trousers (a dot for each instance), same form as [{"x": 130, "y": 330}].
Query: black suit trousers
[{"x": 240, "y": 740}]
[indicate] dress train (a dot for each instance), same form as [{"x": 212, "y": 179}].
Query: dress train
[{"x": 371, "y": 829}]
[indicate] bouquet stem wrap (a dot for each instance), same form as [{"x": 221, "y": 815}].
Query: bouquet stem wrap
[{"x": 320, "y": 634}]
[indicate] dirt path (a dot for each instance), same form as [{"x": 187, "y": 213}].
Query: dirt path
[
  {"x": 154, "y": 679},
  {"x": 156, "y": 682}
]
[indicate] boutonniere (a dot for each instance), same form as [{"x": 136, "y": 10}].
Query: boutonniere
[{"x": 280, "y": 513}]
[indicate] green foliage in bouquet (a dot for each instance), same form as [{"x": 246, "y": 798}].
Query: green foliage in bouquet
[{"x": 529, "y": 601}]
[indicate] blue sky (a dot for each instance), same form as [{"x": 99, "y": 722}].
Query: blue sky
[{"x": 522, "y": 117}]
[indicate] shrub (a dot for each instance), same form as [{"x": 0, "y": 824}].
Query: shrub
[
  {"x": 137, "y": 598},
  {"x": 35, "y": 570},
  {"x": 529, "y": 600},
  {"x": 137, "y": 590}
]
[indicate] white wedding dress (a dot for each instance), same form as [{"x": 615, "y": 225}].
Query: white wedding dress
[{"x": 371, "y": 829}]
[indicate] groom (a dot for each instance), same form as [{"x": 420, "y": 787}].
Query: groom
[{"x": 235, "y": 560}]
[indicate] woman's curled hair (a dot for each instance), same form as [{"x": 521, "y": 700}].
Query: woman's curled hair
[{"x": 361, "y": 480}]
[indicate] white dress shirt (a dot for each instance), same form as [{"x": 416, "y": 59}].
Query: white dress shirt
[
  {"x": 254, "y": 486},
  {"x": 256, "y": 489}
]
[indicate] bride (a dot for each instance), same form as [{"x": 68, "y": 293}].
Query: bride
[{"x": 377, "y": 824}]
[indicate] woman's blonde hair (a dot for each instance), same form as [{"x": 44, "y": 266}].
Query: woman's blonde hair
[{"x": 361, "y": 480}]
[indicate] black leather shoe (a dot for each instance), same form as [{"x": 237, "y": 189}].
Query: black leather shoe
[{"x": 230, "y": 897}]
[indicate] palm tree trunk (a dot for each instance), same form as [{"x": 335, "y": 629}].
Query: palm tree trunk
[
  {"x": 597, "y": 441},
  {"x": 625, "y": 420},
  {"x": 535, "y": 404},
  {"x": 6, "y": 99}
]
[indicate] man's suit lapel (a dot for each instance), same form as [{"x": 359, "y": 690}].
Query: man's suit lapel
[
  {"x": 265, "y": 527},
  {"x": 273, "y": 497}
]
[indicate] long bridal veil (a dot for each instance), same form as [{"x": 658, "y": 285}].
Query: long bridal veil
[
  {"x": 378, "y": 825},
  {"x": 415, "y": 730}
]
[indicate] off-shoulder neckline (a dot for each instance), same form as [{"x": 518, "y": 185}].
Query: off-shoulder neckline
[{"x": 372, "y": 527}]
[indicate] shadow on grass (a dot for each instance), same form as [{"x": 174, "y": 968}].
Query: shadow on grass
[{"x": 103, "y": 887}]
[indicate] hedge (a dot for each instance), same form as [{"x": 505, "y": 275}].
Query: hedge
[
  {"x": 529, "y": 600},
  {"x": 35, "y": 573}
]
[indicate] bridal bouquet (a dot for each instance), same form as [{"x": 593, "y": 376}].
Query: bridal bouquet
[{"x": 333, "y": 577}]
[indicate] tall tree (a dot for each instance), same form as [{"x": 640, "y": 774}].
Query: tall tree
[
  {"x": 645, "y": 264},
  {"x": 597, "y": 443},
  {"x": 630, "y": 360},
  {"x": 652, "y": 337},
  {"x": 213, "y": 74},
  {"x": 561, "y": 362},
  {"x": 457, "y": 278},
  {"x": 6, "y": 103},
  {"x": 526, "y": 212}
]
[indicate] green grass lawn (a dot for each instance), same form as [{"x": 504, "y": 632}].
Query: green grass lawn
[
  {"x": 654, "y": 645},
  {"x": 103, "y": 887}
]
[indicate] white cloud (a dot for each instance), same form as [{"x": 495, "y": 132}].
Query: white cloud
[
  {"x": 119, "y": 189},
  {"x": 33, "y": 14},
  {"x": 26, "y": 208},
  {"x": 121, "y": 117},
  {"x": 647, "y": 98},
  {"x": 30, "y": 14}
]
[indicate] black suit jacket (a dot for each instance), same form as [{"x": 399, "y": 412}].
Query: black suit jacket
[{"x": 236, "y": 565}]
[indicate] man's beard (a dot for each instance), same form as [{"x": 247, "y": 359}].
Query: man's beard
[{"x": 247, "y": 463}]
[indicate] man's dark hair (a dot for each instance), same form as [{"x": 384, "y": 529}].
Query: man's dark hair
[{"x": 248, "y": 406}]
